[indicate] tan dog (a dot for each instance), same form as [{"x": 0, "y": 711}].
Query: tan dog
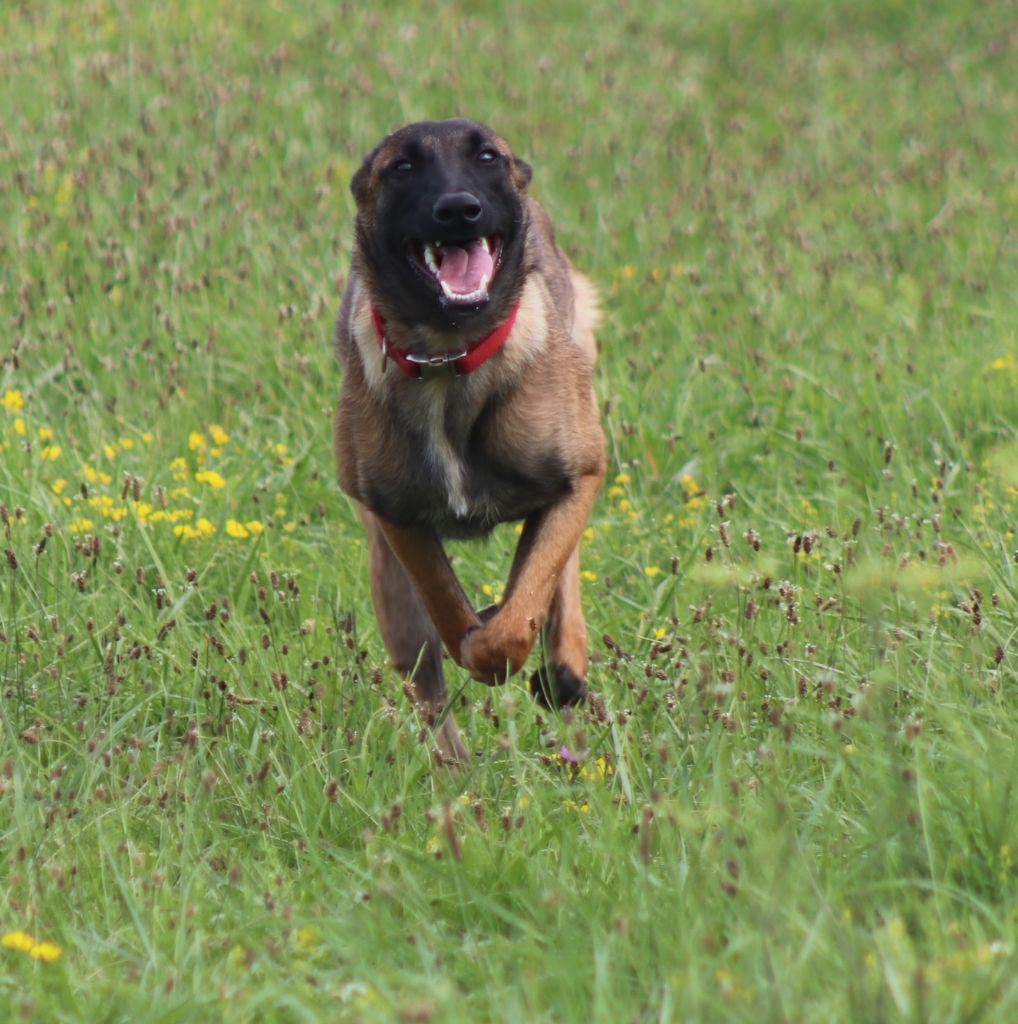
[{"x": 466, "y": 341}]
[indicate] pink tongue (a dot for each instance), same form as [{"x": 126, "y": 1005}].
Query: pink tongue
[{"x": 463, "y": 266}]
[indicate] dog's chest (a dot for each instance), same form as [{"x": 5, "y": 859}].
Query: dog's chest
[
  {"x": 456, "y": 475},
  {"x": 444, "y": 452}
]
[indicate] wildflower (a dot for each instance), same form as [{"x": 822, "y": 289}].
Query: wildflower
[
  {"x": 622, "y": 478},
  {"x": 48, "y": 952},
  {"x": 45, "y": 434},
  {"x": 306, "y": 938},
  {"x": 21, "y": 941},
  {"x": 196, "y": 441},
  {"x": 597, "y": 771},
  {"x": 13, "y": 401},
  {"x": 57, "y": 487},
  {"x": 19, "y": 427},
  {"x": 219, "y": 436},
  {"x": 590, "y": 577},
  {"x": 126, "y": 443},
  {"x": 651, "y": 570},
  {"x": 210, "y": 477},
  {"x": 147, "y": 437},
  {"x": 254, "y": 527},
  {"x": 235, "y": 529},
  {"x": 201, "y": 530},
  {"x": 1004, "y": 363},
  {"x": 51, "y": 452},
  {"x": 80, "y": 525}
]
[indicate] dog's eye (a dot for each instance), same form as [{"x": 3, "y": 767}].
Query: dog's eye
[
  {"x": 402, "y": 167},
  {"x": 487, "y": 156}
]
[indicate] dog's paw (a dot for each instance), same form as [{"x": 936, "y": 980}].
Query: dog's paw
[
  {"x": 557, "y": 686},
  {"x": 491, "y": 656}
]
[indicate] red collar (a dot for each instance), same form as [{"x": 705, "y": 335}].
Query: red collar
[{"x": 456, "y": 363}]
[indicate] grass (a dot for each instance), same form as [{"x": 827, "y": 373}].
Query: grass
[{"x": 794, "y": 797}]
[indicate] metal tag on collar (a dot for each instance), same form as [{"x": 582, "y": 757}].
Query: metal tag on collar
[{"x": 431, "y": 367}]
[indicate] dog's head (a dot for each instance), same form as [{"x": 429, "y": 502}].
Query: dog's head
[{"x": 441, "y": 222}]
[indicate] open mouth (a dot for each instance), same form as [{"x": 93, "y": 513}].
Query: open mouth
[{"x": 462, "y": 270}]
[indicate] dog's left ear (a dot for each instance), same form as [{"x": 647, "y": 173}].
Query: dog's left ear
[
  {"x": 360, "y": 183},
  {"x": 522, "y": 173}
]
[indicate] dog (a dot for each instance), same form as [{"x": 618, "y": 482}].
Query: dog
[{"x": 466, "y": 341}]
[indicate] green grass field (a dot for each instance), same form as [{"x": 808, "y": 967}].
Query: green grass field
[{"x": 795, "y": 797}]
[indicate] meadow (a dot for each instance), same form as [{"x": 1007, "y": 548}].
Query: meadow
[{"x": 794, "y": 795}]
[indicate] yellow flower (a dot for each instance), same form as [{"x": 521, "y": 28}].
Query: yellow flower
[
  {"x": 45, "y": 434},
  {"x": 254, "y": 527},
  {"x": 126, "y": 443},
  {"x": 615, "y": 492},
  {"x": 590, "y": 577},
  {"x": 235, "y": 529},
  {"x": 219, "y": 436},
  {"x": 195, "y": 441},
  {"x": 21, "y": 941},
  {"x": 147, "y": 437},
  {"x": 48, "y": 952},
  {"x": 19, "y": 427},
  {"x": 622, "y": 478},
  {"x": 51, "y": 452},
  {"x": 307, "y": 938},
  {"x": 58, "y": 486},
  {"x": 1004, "y": 363},
  {"x": 210, "y": 477},
  {"x": 80, "y": 525},
  {"x": 13, "y": 401},
  {"x": 651, "y": 570}
]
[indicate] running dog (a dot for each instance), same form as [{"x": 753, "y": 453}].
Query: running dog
[{"x": 466, "y": 341}]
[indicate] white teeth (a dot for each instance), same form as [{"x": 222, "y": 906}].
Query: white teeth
[
  {"x": 479, "y": 294},
  {"x": 429, "y": 257}
]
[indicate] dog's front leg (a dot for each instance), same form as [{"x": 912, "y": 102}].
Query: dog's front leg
[
  {"x": 421, "y": 554},
  {"x": 498, "y": 648}
]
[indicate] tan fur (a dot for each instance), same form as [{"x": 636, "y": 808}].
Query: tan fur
[{"x": 390, "y": 427}]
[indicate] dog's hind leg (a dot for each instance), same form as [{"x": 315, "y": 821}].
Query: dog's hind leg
[
  {"x": 411, "y": 638},
  {"x": 561, "y": 679}
]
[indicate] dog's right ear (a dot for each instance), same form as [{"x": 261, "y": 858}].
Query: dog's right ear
[
  {"x": 522, "y": 172},
  {"x": 360, "y": 183}
]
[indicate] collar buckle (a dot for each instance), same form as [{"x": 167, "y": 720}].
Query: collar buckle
[{"x": 432, "y": 366}]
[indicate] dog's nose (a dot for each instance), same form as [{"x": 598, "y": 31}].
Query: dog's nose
[{"x": 456, "y": 208}]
